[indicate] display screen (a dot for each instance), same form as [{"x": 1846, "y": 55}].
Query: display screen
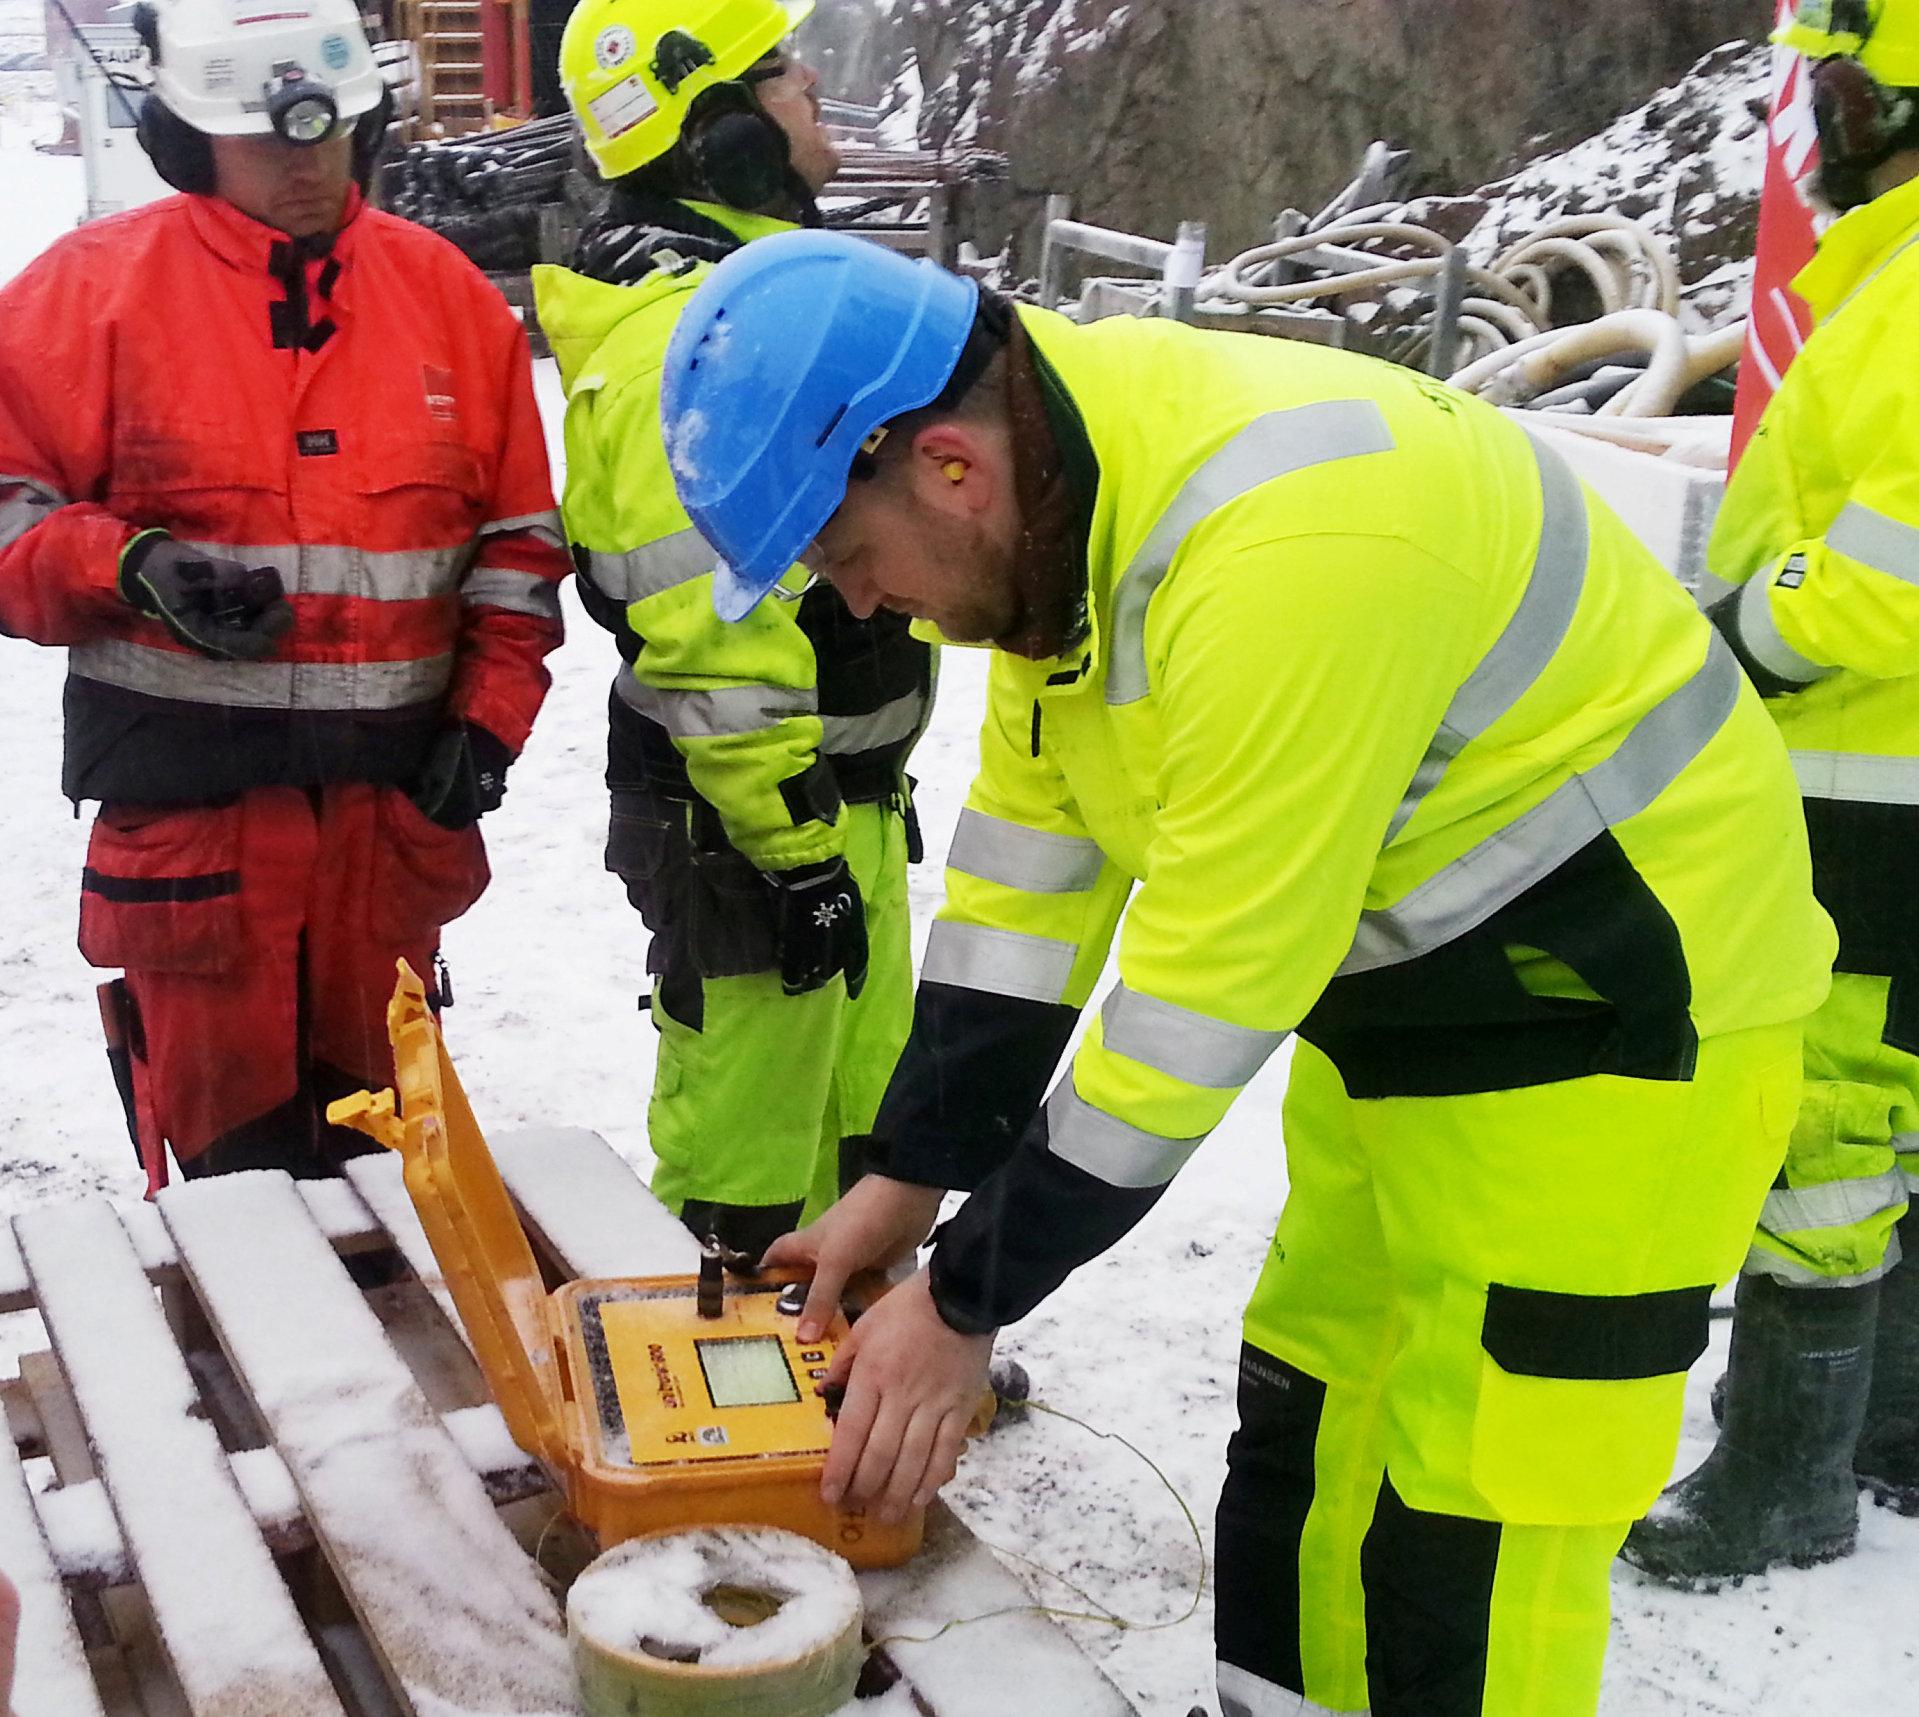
[{"x": 747, "y": 1371}]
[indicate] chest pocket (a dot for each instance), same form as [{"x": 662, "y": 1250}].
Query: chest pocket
[
  {"x": 201, "y": 487},
  {"x": 420, "y": 493},
  {"x": 1106, "y": 772}
]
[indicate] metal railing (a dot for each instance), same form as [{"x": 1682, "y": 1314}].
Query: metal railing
[{"x": 1179, "y": 264}]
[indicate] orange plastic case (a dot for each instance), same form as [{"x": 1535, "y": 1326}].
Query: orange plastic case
[{"x": 648, "y": 1417}]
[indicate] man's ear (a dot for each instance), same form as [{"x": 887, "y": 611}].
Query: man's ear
[{"x": 954, "y": 469}]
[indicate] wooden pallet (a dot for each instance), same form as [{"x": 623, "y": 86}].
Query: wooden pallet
[{"x": 240, "y": 1486}]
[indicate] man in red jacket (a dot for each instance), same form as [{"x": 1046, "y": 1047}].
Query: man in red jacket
[{"x": 271, "y": 469}]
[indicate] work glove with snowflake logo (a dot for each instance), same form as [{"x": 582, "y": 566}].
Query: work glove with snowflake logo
[
  {"x": 464, "y": 778},
  {"x": 820, "y": 925}
]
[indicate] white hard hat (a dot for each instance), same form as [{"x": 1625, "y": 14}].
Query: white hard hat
[{"x": 234, "y": 68}]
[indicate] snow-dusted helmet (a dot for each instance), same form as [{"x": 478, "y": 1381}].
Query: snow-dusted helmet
[
  {"x": 1865, "y": 86},
  {"x": 299, "y": 69},
  {"x": 645, "y": 76}
]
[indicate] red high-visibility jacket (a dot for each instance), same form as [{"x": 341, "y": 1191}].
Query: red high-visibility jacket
[{"x": 362, "y": 420}]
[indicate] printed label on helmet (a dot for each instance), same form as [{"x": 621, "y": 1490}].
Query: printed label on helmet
[
  {"x": 624, "y": 106},
  {"x": 613, "y": 47},
  {"x": 217, "y": 74},
  {"x": 335, "y": 52}
]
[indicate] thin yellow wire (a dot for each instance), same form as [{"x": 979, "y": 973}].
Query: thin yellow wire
[{"x": 1098, "y": 1614}]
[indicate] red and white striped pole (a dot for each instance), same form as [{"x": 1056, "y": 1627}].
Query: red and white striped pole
[{"x": 1780, "y": 320}]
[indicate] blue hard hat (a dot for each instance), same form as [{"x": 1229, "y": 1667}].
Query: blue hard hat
[{"x": 791, "y": 353}]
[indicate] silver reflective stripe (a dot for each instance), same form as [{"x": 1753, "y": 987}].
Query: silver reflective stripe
[
  {"x": 1760, "y": 633},
  {"x": 546, "y": 526},
  {"x": 24, "y": 502},
  {"x": 651, "y": 569},
  {"x": 1465, "y": 893},
  {"x": 1191, "y": 1046},
  {"x": 517, "y": 592},
  {"x": 1906, "y": 1146},
  {"x": 1853, "y": 776},
  {"x": 1273, "y": 446},
  {"x": 1835, "y": 1204},
  {"x": 1106, "y": 1147},
  {"x": 1760, "y": 1262},
  {"x": 998, "y": 962},
  {"x": 1244, "y": 1694},
  {"x": 1871, "y": 538},
  {"x": 1015, "y": 856},
  {"x": 1532, "y": 636},
  {"x": 891, "y": 724},
  {"x": 330, "y": 569},
  {"x": 263, "y": 685},
  {"x": 721, "y": 714}
]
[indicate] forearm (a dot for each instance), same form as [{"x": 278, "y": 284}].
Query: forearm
[{"x": 59, "y": 564}]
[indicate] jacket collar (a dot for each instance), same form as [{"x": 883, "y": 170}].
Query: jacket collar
[
  {"x": 1856, "y": 246},
  {"x": 251, "y": 245}
]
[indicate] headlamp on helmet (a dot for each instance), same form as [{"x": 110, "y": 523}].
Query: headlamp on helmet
[{"x": 302, "y": 111}]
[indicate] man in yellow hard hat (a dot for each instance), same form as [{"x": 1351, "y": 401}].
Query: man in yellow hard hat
[
  {"x": 760, "y": 812},
  {"x": 1820, "y": 530}
]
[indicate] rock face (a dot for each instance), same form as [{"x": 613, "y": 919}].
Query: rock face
[{"x": 1149, "y": 111}]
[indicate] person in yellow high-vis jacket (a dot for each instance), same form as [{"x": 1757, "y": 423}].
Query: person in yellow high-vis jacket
[
  {"x": 1820, "y": 531},
  {"x": 1383, "y": 731},
  {"x": 760, "y": 808}
]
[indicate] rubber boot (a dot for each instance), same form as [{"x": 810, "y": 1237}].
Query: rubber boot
[
  {"x": 1778, "y": 1487},
  {"x": 1887, "y": 1460}
]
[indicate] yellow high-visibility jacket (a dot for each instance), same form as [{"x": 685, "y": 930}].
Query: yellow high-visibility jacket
[
  {"x": 773, "y": 721},
  {"x": 1820, "y": 529},
  {"x": 1394, "y": 736}
]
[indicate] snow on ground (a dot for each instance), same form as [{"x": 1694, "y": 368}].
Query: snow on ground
[{"x": 1142, "y": 1343}]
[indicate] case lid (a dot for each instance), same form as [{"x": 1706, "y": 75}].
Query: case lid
[{"x": 470, "y": 1222}]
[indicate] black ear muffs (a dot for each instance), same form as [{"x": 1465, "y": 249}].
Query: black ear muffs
[
  {"x": 740, "y": 153},
  {"x": 369, "y": 140},
  {"x": 180, "y": 155},
  {"x": 1861, "y": 123}
]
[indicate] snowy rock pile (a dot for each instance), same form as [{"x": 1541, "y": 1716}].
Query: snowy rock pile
[{"x": 1688, "y": 164}]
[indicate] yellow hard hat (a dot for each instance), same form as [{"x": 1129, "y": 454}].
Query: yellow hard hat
[
  {"x": 1882, "y": 35},
  {"x": 632, "y": 68}
]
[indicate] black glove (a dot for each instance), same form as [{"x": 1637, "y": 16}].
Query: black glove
[
  {"x": 221, "y": 608},
  {"x": 464, "y": 778},
  {"x": 821, "y": 926}
]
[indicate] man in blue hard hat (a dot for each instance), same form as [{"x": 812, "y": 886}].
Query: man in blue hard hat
[{"x": 1383, "y": 731}]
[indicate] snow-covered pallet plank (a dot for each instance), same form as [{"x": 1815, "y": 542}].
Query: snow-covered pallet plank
[
  {"x": 341, "y": 1214},
  {"x": 457, "y": 1614},
  {"x": 90, "y": 1553},
  {"x": 381, "y": 1183},
  {"x": 189, "y": 1530},
  {"x": 1004, "y": 1658},
  {"x": 597, "y": 1218},
  {"x": 585, "y": 1207},
  {"x": 129, "y": 1664},
  {"x": 51, "y": 1678}
]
